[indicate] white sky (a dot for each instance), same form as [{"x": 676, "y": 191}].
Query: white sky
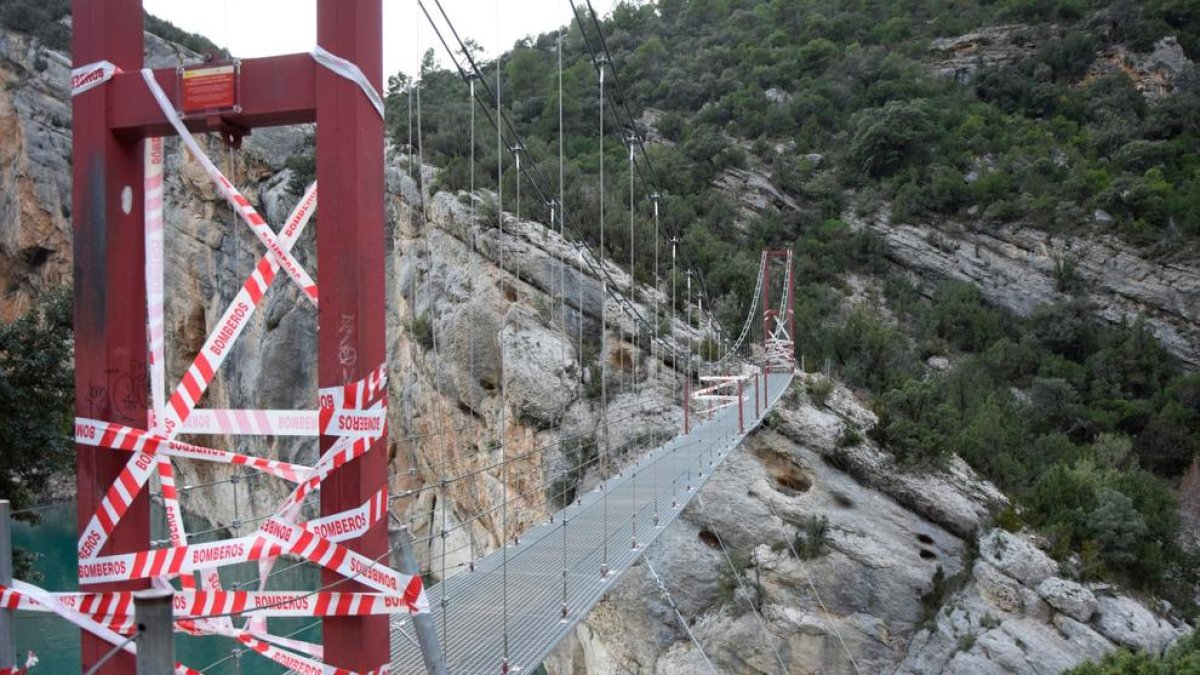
[{"x": 266, "y": 27}]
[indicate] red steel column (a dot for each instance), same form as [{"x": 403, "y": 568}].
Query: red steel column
[
  {"x": 741, "y": 415},
  {"x": 110, "y": 288},
  {"x": 791, "y": 295},
  {"x": 756, "y": 396},
  {"x": 350, "y": 251},
  {"x": 766, "y": 294}
]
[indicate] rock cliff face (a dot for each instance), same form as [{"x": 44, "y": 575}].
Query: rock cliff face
[
  {"x": 1020, "y": 268},
  {"x": 959, "y": 58},
  {"x": 35, "y": 123},
  {"x": 912, "y": 578}
]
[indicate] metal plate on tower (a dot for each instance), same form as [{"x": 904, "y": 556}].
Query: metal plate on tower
[{"x": 209, "y": 88}]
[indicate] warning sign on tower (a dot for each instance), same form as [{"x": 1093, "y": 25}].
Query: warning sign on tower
[{"x": 208, "y": 88}]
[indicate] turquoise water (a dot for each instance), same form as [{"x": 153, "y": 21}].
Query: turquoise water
[{"x": 56, "y": 642}]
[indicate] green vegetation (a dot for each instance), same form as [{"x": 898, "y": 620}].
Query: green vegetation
[
  {"x": 1085, "y": 425},
  {"x": 1181, "y": 659},
  {"x": 37, "y": 393},
  {"x": 819, "y": 389},
  {"x": 172, "y": 33},
  {"x": 39, "y": 18},
  {"x": 421, "y": 329},
  {"x": 302, "y": 165},
  {"x": 43, "y": 20},
  {"x": 812, "y": 537},
  {"x": 1034, "y": 142}
]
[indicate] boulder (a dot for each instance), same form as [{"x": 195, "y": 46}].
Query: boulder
[
  {"x": 1128, "y": 623},
  {"x": 1017, "y": 557},
  {"x": 1069, "y": 598}
]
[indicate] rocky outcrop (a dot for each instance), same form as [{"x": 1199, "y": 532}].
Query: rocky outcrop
[
  {"x": 753, "y": 194},
  {"x": 1004, "y": 620},
  {"x": 1154, "y": 73},
  {"x": 35, "y": 121},
  {"x": 1068, "y": 597},
  {"x": 486, "y": 326},
  {"x": 960, "y": 57},
  {"x": 897, "y": 588},
  {"x": 1020, "y": 268}
]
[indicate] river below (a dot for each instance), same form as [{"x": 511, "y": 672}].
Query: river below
[{"x": 56, "y": 641}]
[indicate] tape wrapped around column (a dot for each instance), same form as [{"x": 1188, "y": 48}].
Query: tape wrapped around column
[{"x": 350, "y": 71}]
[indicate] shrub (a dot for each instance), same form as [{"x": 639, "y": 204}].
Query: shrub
[
  {"x": 36, "y": 396},
  {"x": 421, "y": 329},
  {"x": 849, "y": 438},
  {"x": 812, "y": 537},
  {"x": 1009, "y": 519},
  {"x": 889, "y": 138},
  {"x": 304, "y": 171},
  {"x": 819, "y": 389}
]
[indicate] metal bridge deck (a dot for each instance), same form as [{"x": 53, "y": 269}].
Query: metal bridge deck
[{"x": 474, "y": 640}]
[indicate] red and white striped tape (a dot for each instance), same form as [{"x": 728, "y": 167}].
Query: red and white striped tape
[
  {"x": 348, "y": 563},
  {"x": 252, "y": 422},
  {"x": 155, "y": 293},
  {"x": 300, "y": 664},
  {"x": 195, "y": 381},
  {"x": 186, "y": 559},
  {"x": 112, "y": 435},
  {"x": 231, "y": 324},
  {"x": 91, "y": 76},
  {"x": 85, "y": 622},
  {"x": 205, "y": 604},
  {"x": 153, "y": 162},
  {"x": 166, "y": 561},
  {"x": 350, "y": 71},
  {"x": 278, "y": 253},
  {"x": 350, "y": 524}
]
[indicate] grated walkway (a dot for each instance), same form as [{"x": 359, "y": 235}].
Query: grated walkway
[{"x": 535, "y": 566}]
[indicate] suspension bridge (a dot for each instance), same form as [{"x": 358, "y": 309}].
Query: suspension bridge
[
  {"x": 558, "y": 570},
  {"x": 503, "y": 611}
]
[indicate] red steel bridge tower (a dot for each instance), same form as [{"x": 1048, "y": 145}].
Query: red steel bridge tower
[
  {"x": 779, "y": 318},
  {"x": 110, "y": 126}
]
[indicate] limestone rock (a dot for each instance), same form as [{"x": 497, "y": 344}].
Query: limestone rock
[
  {"x": 754, "y": 193},
  {"x": 992, "y": 46},
  {"x": 538, "y": 364},
  {"x": 1128, "y": 623},
  {"x": 996, "y": 588},
  {"x": 1017, "y": 557},
  {"x": 1015, "y": 267},
  {"x": 1153, "y": 73},
  {"x": 1069, "y": 598}
]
